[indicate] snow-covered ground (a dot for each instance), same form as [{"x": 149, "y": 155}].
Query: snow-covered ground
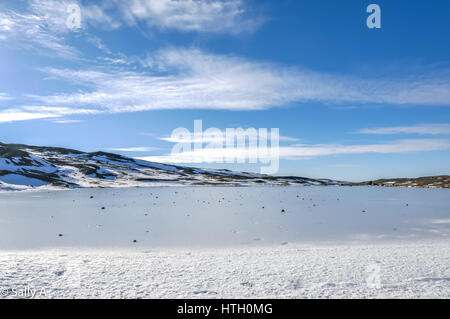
[
  {"x": 213, "y": 242},
  {"x": 419, "y": 270}
]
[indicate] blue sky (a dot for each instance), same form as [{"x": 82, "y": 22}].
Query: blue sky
[{"x": 351, "y": 102}]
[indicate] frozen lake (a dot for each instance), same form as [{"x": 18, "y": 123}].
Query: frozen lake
[
  {"x": 208, "y": 217},
  {"x": 217, "y": 242}
]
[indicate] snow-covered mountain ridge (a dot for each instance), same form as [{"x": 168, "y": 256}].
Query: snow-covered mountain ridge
[{"x": 25, "y": 167}]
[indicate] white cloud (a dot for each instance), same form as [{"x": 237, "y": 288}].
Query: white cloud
[
  {"x": 59, "y": 111},
  {"x": 297, "y": 152},
  {"x": 52, "y": 14},
  {"x": 192, "y": 79},
  {"x": 36, "y": 29},
  {"x": 441, "y": 221},
  {"x": 44, "y": 22},
  {"x": 42, "y": 112},
  {"x": 424, "y": 129},
  {"x": 97, "y": 16},
  {"x": 228, "y": 16},
  {"x": 133, "y": 149},
  {"x": 400, "y": 146},
  {"x": 211, "y": 137},
  {"x": 17, "y": 115},
  {"x": 55, "y": 13},
  {"x": 66, "y": 121},
  {"x": 5, "y": 97},
  {"x": 342, "y": 165},
  {"x": 116, "y": 61},
  {"x": 43, "y": 26}
]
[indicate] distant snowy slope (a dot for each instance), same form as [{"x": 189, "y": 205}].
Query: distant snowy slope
[{"x": 24, "y": 166}]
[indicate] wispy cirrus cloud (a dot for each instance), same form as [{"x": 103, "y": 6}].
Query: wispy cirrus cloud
[
  {"x": 55, "y": 13},
  {"x": 42, "y": 26},
  {"x": 440, "y": 221},
  {"x": 209, "y": 16},
  {"x": 133, "y": 149},
  {"x": 399, "y": 146},
  {"x": 192, "y": 79},
  {"x": 180, "y": 78},
  {"x": 5, "y": 97},
  {"x": 218, "y": 137},
  {"x": 67, "y": 121},
  {"x": 42, "y": 112},
  {"x": 423, "y": 129},
  {"x": 59, "y": 111},
  {"x": 303, "y": 151},
  {"x": 33, "y": 31},
  {"x": 13, "y": 115}
]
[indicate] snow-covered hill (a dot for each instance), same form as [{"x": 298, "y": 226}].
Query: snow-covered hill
[
  {"x": 442, "y": 181},
  {"x": 24, "y": 167}
]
